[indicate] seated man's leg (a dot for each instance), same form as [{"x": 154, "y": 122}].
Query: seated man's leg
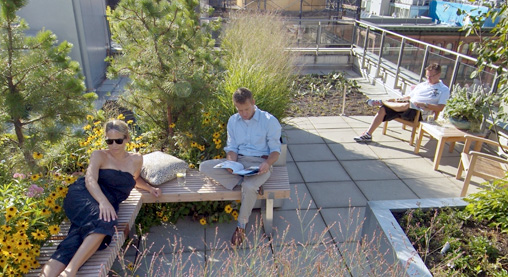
[
  {"x": 397, "y": 106},
  {"x": 221, "y": 175}
]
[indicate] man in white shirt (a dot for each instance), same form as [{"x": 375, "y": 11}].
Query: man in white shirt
[
  {"x": 253, "y": 140},
  {"x": 429, "y": 96}
]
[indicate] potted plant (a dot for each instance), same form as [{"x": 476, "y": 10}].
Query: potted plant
[{"x": 469, "y": 107}]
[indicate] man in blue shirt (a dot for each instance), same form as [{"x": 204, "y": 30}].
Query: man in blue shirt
[{"x": 253, "y": 139}]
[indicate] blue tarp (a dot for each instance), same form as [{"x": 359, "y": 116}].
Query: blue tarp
[{"x": 446, "y": 13}]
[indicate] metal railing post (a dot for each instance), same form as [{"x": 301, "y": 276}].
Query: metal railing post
[
  {"x": 455, "y": 71},
  {"x": 365, "y": 42},
  {"x": 380, "y": 57},
  {"x": 399, "y": 62},
  {"x": 424, "y": 62}
]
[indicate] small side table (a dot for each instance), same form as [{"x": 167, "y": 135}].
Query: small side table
[{"x": 443, "y": 134}]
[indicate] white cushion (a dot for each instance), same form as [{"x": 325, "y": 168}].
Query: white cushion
[{"x": 159, "y": 168}]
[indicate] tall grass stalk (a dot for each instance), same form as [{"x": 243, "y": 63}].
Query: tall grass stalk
[{"x": 254, "y": 44}]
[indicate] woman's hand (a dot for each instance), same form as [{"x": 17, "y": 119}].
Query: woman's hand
[
  {"x": 106, "y": 211},
  {"x": 155, "y": 191}
]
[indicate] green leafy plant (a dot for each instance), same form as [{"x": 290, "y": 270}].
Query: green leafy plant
[
  {"x": 491, "y": 204},
  {"x": 472, "y": 104}
]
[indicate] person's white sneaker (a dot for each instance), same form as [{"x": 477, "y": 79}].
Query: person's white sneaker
[
  {"x": 374, "y": 103},
  {"x": 365, "y": 137}
]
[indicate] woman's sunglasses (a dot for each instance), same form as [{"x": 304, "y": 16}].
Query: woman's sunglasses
[{"x": 110, "y": 141}]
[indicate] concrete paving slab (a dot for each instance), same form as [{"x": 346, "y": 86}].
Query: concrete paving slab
[
  {"x": 412, "y": 168},
  {"x": 352, "y": 151},
  {"x": 297, "y": 123},
  {"x": 322, "y": 171},
  {"x": 368, "y": 170},
  {"x": 345, "y": 223},
  {"x": 301, "y": 226},
  {"x": 433, "y": 187},
  {"x": 218, "y": 236},
  {"x": 332, "y": 126},
  {"x": 385, "y": 190},
  {"x": 311, "y": 152},
  {"x": 294, "y": 173},
  {"x": 299, "y": 136},
  {"x": 326, "y": 119},
  {"x": 336, "y": 194},
  {"x": 393, "y": 150},
  {"x": 300, "y": 198},
  {"x": 189, "y": 233},
  {"x": 337, "y": 135}
]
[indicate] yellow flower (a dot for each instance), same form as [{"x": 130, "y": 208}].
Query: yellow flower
[
  {"x": 37, "y": 155},
  {"x": 22, "y": 224},
  {"x": 45, "y": 212},
  {"x": 206, "y": 121},
  {"x": 207, "y": 114},
  {"x": 216, "y": 135},
  {"x": 9, "y": 217},
  {"x": 228, "y": 209},
  {"x": 130, "y": 266},
  {"x": 57, "y": 208},
  {"x": 34, "y": 177},
  {"x": 3, "y": 260},
  {"x": 216, "y": 157},
  {"x": 201, "y": 147},
  {"x": 11, "y": 210},
  {"x": 49, "y": 202},
  {"x": 54, "y": 229},
  {"x": 35, "y": 264},
  {"x": 6, "y": 229},
  {"x": 235, "y": 215},
  {"x": 39, "y": 235},
  {"x": 217, "y": 141},
  {"x": 87, "y": 127},
  {"x": 218, "y": 146},
  {"x": 165, "y": 218},
  {"x": 172, "y": 125},
  {"x": 89, "y": 117},
  {"x": 120, "y": 117},
  {"x": 97, "y": 123},
  {"x": 189, "y": 135},
  {"x": 130, "y": 121},
  {"x": 192, "y": 166},
  {"x": 194, "y": 144},
  {"x": 202, "y": 221},
  {"x": 69, "y": 180}
]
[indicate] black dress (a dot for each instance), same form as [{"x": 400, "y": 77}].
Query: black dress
[{"x": 83, "y": 211}]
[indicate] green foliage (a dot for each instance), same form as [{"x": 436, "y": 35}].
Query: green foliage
[
  {"x": 204, "y": 212},
  {"x": 491, "y": 50},
  {"x": 472, "y": 104},
  {"x": 491, "y": 204},
  {"x": 470, "y": 253},
  {"x": 41, "y": 89},
  {"x": 254, "y": 45},
  {"x": 169, "y": 57}
]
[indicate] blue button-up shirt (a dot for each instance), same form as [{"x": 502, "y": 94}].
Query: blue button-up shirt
[{"x": 255, "y": 137}]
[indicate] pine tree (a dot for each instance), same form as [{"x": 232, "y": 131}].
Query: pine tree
[
  {"x": 169, "y": 57},
  {"x": 41, "y": 88}
]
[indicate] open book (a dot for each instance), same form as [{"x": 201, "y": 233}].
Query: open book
[{"x": 238, "y": 168}]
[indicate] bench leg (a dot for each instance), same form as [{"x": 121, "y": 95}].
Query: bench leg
[{"x": 268, "y": 217}]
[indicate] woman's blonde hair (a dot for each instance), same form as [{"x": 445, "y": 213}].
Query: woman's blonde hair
[{"x": 117, "y": 125}]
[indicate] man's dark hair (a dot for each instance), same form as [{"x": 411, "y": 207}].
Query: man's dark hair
[
  {"x": 241, "y": 95},
  {"x": 434, "y": 67}
]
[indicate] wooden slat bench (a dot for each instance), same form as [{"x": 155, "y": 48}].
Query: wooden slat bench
[{"x": 198, "y": 187}]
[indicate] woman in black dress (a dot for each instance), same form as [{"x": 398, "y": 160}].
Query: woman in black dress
[{"x": 92, "y": 201}]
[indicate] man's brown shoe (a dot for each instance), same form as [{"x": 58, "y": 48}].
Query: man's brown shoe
[{"x": 238, "y": 236}]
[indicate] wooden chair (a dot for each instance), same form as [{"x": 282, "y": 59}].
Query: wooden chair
[{"x": 476, "y": 163}]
